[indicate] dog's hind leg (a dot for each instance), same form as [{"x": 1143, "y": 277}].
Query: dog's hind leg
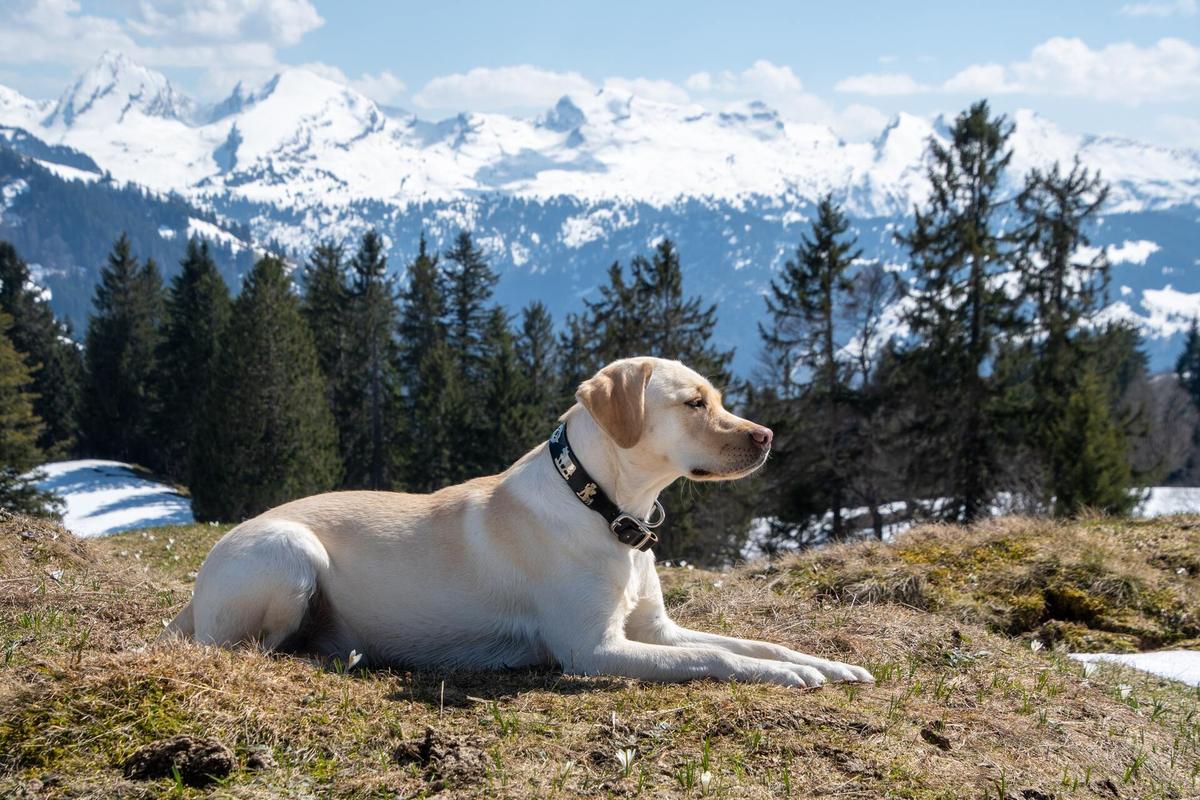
[
  {"x": 183, "y": 626},
  {"x": 257, "y": 583}
]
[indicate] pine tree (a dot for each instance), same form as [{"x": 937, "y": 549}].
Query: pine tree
[
  {"x": 52, "y": 358},
  {"x": 1089, "y": 454},
  {"x": 537, "y": 350},
  {"x": 197, "y": 311},
  {"x": 1187, "y": 368},
  {"x": 267, "y": 435},
  {"x": 325, "y": 308},
  {"x": 576, "y": 355},
  {"x": 422, "y": 322},
  {"x": 368, "y": 422},
  {"x": 19, "y": 431},
  {"x": 1063, "y": 291},
  {"x": 123, "y": 334},
  {"x": 469, "y": 283},
  {"x": 435, "y": 458},
  {"x": 803, "y": 345},
  {"x": 511, "y": 425},
  {"x": 960, "y": 312}
]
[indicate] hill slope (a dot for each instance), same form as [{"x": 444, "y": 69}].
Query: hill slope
[{"x": 959, "y": 711}]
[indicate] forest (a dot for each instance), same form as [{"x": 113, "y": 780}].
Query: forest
[{"x": 985, "y": 380}]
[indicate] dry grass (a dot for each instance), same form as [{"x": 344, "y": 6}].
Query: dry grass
[{"x": 959, "y": 710}]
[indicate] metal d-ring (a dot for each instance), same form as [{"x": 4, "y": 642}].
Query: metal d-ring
[{"x": 662, "y": 516}]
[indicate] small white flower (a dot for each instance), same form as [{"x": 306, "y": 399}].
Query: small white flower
[
  {"x": 1089, "y": 668},
  {"x": 1036, "y": 645},
  {"x": 355, "y": 657},
  {"x": 690, "y": 567},
  {"x": 718, "y": 584},
  {"x": 625, "y": 758},
  {"x": 705, "y": 780},
  {"x": 176, "y": 558},
  {"x": 1181, "y": 571},
  {"x": 138, "y": 556},
  {"x": 682, "y": 563},
  {"x": 166, "y": 623},
  {"x": 1124, "y": 689},
  {"x": 170, "y": 541},
  {"x": 56, "y": 574}
]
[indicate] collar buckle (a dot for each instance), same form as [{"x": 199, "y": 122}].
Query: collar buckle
[{"x": 626, "y": 524}]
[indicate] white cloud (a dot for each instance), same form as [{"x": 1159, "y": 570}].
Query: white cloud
[
  {"x": 500, "y": 88},
  {"x": 880, "y": 84},
  {"x": 277, "y": 22},
  {"x": 1125, "y": 73},
  {"x": 228, "y": 39},
  {"x": 1169, "y": 69},
  {"x": 980, "y": 79},
  {"x": 1185, "y": 8},
  {"x": 663, "y": 91}
]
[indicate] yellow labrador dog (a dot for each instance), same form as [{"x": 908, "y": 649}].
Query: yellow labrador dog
[{"x": 548, "y": 562}]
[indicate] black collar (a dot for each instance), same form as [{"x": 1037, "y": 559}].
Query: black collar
[{"x": 627, "y": 528}]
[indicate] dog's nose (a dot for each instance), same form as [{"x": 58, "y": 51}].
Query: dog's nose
[{"x": 762, "y": 436}]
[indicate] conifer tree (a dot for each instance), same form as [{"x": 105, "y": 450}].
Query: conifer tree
[
  {"x": 1088, "y": 454},
  {"x": 469, "y": 283},
  {"x": 19, "y": 431},
  {"x": 267, "y": 435},
  {"x": 803, "y": 345},
  {"x": 1062, "y": 290},
  {"x": 46, "y": 347},
  {"x": 510, "y": 426},
  {"x": 537, "y": 349},
  {"x": 577, "y": 355},
  {"x": 370, "y": 416},
  {"x": 197, "y": 310},
  {"x": 960, "y": 312},
  {"x": 325, "y": 308},
  {"x": 435, "y": 457},
  {"x": 430, "y": 384},
  {"x": 1187, "y": 367},
  {"x": 119, "y": 405}
]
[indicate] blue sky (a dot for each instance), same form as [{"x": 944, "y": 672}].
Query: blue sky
[{"x": 1130, "y": 68}]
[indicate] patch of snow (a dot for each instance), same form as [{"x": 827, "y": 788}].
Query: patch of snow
[
  {"x": 103, "y": 497},
  {"x": 1163, "y": 501},
  {"x": 1176, "y": 665},
  {"x": 166, "y": 233},
  {"x": 1128, "y": 252},
  {"x": 209, "y": 231},
  {"x": 69, "y": 173}
]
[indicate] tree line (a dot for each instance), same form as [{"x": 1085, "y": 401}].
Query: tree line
[{"x": 985, "y": 382}]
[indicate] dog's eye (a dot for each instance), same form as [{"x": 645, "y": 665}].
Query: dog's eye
[{"x": 697, "y": 403}]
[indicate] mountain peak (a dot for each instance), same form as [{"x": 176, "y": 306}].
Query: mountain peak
[{"x": 115, "y": 86}]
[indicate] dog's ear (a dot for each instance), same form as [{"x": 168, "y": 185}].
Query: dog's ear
[{"x": 616, "y": 398}]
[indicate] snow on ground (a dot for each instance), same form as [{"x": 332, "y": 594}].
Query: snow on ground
[
  {"x": 1178, "y": 665},
  {"x": 103, "y": 497},
  {"x": 1164, "y": 500}
]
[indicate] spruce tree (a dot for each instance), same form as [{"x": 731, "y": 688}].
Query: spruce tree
[
  {"x": 1089, "y": 454},
  {"x": 325, "y": 308},
  {"x": 435, "y": 457},
  {"x": 469, "y": 283},
  {"x": 960, "y": 313},
  {"x": 19, "y": 431},
  {"x": 267, "y": 435},
  {"x": 119, "y": 403},
  {"x": 197, "y": 311},
  {"x": 422, "y": 321},
  {"x": 511, "y": 425},
  {"x": 1062, "y": 291},
  {"x": 52, "y": 358},
  {"x": 1187, "y": 367},
  {"x": 537, "y": 349},
  {"x": 368, "y": 421},
  {"x": 803, "y": 345}
]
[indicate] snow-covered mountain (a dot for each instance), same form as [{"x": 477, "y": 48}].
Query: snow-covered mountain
[{"x": 596, "y": 177}]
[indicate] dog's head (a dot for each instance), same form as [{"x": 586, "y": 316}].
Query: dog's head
[{"x": 662, "y": 412}]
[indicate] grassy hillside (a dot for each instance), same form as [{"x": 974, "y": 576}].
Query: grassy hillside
[{"x": 963, "y": 707}]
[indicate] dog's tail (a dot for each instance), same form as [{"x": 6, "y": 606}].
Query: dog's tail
[{"x": 183, "y": 626}]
